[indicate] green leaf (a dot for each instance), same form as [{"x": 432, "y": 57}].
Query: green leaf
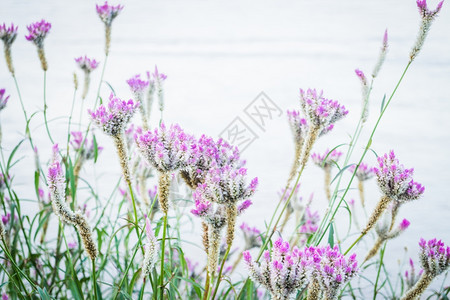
[
  {"x": 382, "y": 103},
  {"x": 8, "y": 165},
  {"x": 133, "y": 281},
  {"x": 331, "y": 236},
  {"x": 340, "y": 172},
  {"x": 95, "y": 148},
  {"x": 43, "y": 293}
]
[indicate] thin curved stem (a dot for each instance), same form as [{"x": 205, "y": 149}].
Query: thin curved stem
[{"x": 161, "y": 278}]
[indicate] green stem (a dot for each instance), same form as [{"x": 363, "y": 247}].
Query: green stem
[
  {"x": 45, "y": 107},
  {"x": 220, "y": 271},
  {"x": 161, "y": 278},
  {"x": 375, "y": 292},
  {"x": 94, "y": 280}
]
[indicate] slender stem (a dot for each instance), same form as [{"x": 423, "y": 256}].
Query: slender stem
[
  {"x": 375, "y": 292},
  {"x": 45, "y": 107},
  {"x": 161, "y": 278},
  {"x": 94, "y": 280},
  {"x": 220, "y": 271}
]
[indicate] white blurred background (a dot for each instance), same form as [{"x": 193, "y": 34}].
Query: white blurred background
[{"x": 219, "y": 55}]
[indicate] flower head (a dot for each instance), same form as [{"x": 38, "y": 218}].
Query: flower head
[
  {"x": 282, "y": 270},
  {"x": 227, "y": 185},
  {"x": 159, "y": 77},
  {"x": 107, "y": 12},
  {"x": 364, "y": 172},
  {"x": 427, "y": 13},
  {"x": 37, "y": 32},
  {"x": 86, "y": 64},
  {"x": 331, "y": 269},
  {"x": 8, "y": 34},
  {"x": 326, "y": 160},
  {"x": 395, "y": 181},
  {"x": 434, "y": 256},
  {"x": 166, "y": 149},
  {"x": 3, "y": 99},
  {"x": 207, "y": 154},
  {"x": 113, "y": 118},
  {"x": 151, "y": 250},
  {"x": 137, "y": 85},
  {"x": 321, "y": 113}
]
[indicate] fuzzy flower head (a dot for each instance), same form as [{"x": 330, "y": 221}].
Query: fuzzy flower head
[
  {"x": 310, "y": 221},
  {"x": 166, "y": 149},
  {"x": 427, "y": 13},
  {"x": 159, "y": 77},
  {"x": 3, "y": 99},
  {"x": 327, "y": 159},
  {"x": 364, "y": 172},
  {"x": 331, "y": 269},
  {"x": 213, "y": 214},
  {"x": 8, "y": 34},
  {"x": 107, "y": 12},
  {"x": 282, "y": 271},
  {"x": 207, "y": 154},
  {"x": 395, "y": 181},
  {"x": 56, "y": 177},
  {"x": 299, "y": 126},
  {"x": 321, "y": 113},
  {"x": 37, "y": 32},
  {"x": 434, "y": 256},
  {"x": 86, "y": 64},
  {"x": 113, "y": 118},
  {"x": 227, "y": 185},
  {"x": 151, "y": 250},
  {"x": 87, "y": 149},
  {"x": 137, "y": 85},
  {"x": 252, "y": 236},
  {"x": 411, "y": 277}
]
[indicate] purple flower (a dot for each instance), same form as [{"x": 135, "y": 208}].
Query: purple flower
[
  {"x": 326, "y": 160},
  {"x": 107, "y": 12},
  {"x": 404, "y": 224},
  {"x": 37, "y": 32},
  {"x": 8, "y": 34},
  {"x": 166, "y": 149},
  {"x": 113, "y": 118},
  {"x": 310, "y": 221},
  {"x": 56, "y": 177},
  {"x": 395, "y": 181},
  {"x": 361, "y": 76},
  {"x": 159, "y": 77},
  {"x": 243, "y": 206},
  {"x": 6, "y": 218},
  {"x": 364, "y": 172},
  {"x": 282, "y": 271},
  {"x": 86, "y": 64},
  {"x": 72, "y": 245},
  {"x": 137, "y": 85},
  {"x": 151, "y": 250},
  {"x": 434, "y": 256},
  {"x": 321, "y": 113},
  {"x": 331, "y": 269},
  {"x": 5, "y": 296},
  {"x": 207, "y": 154},
  {"x": 425, "y": 12},
  {"x": 3, "y": 99},
  {"x": 227, "y": 185}
]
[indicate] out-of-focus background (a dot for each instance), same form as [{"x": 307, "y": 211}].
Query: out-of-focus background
[{"x": 219, "y": 55}]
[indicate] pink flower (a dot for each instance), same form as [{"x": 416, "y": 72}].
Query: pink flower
[
  {"x": 8, "y": 34},
  {"x": 86, "y": 64},
  {"x": 37, "y": 32},
  {"x": 108, "y": 13},
  {"x": 3, "y": 99}
]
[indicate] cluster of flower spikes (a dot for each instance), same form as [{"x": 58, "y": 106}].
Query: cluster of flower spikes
[
  {"x": 37, "y": 32},
  {"x": 395, "y": 181},
  {"x": 320, "y": 112},
  {"x": 113, "y": 118},
  {"x": 107, "y": 12},
  {"x": 252, "y": 236},
  {"x": 87, "y": 149},
  {"x": 8, "y": 34},
  {"x": 167, "y": 149},
  {"x": 86, "y": 64},
  {"x": 310, "y": 221},
  {"x": 282, "y": 271},
  {"x": 210, "y": 154},
  {"x": 326, "y": 159},
  {"x": 363, "y": 172},
  {"x": 331, "y": 269},
  {"x": 434, "y": 256}
]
